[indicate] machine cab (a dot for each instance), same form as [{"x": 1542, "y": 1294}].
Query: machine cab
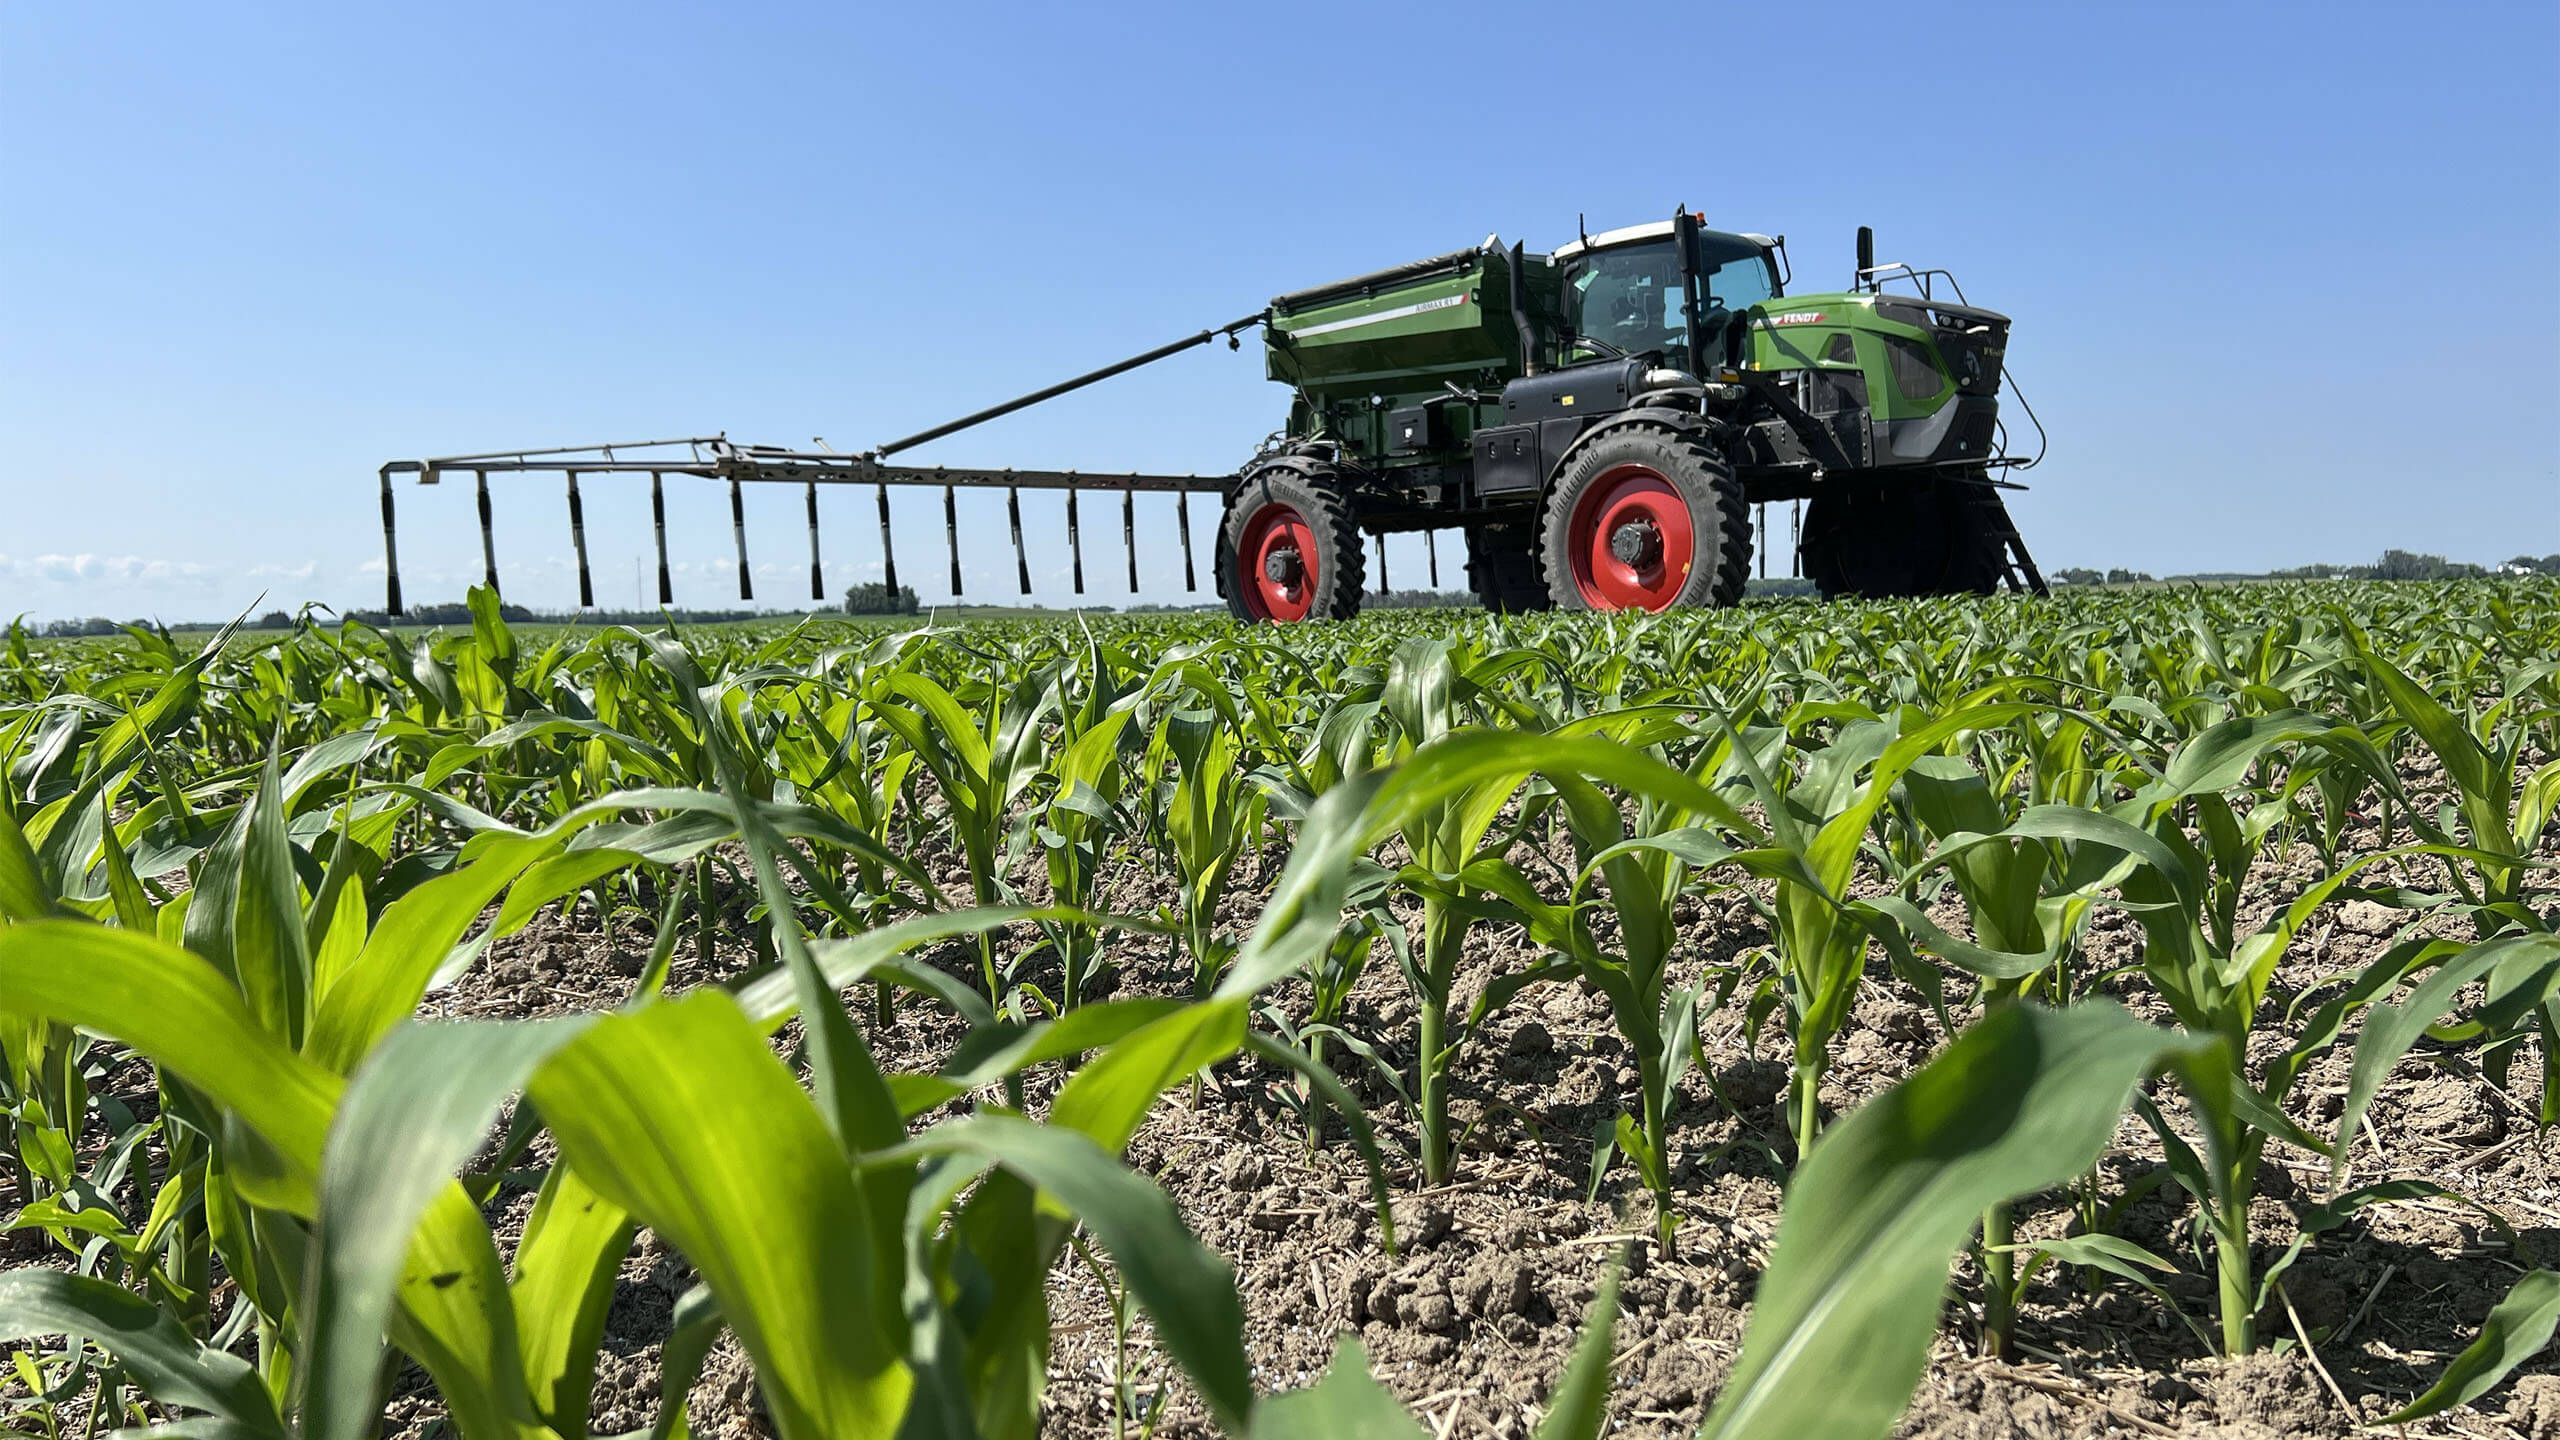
[{"x": 1626, "y": 290}]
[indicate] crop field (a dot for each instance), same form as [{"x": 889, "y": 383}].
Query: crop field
[{"x": 2127, "y": 1014}]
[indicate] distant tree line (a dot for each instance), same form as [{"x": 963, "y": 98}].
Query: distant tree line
[
  {"x": 2393, "y": 565},
  {"x": 874, "y": 598},
  {"x": 2081, "y": 575},
  {"x": 448, "y": 612},
  {"x": 92, "y": 625}
]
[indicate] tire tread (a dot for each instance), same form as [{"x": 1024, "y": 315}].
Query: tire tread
[
  {"x": 1727, "y": 510},
  {"x": 1318, "y": 491}
]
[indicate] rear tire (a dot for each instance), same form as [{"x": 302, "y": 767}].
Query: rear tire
[
  {"x": 1288, "y": 550},
  {"x": 1914, "y": 536},
  {"x": 1502, "y": 568},
  {"x": 1646, "y": 517}
]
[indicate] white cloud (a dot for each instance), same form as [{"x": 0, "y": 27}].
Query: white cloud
[
  {"x": 93, "y": 569},
  {"x": 274, "y": 570}
]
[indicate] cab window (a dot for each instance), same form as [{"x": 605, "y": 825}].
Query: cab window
[
  {"x": 1738, "y": 282},
  {"x": 1629, "y": 297}
]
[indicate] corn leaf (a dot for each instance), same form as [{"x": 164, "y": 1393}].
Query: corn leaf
[
  {"x": 166, "y": 1362},
  {"x": 2515, "y": 1332},
  {"x": 1840, "y": 1331},
  {"x": 566, "y": 1268},
  {"x": 1188, "y": 1289},
  {"x": 2390, "y": 1029},
  {"x": 416, "y": 1110},
  {"x": 405, "y": 949},
  {"x": 678, "y": 1114}
]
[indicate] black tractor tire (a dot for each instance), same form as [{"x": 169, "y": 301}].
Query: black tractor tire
[
  {"x": 1503, "y": 569},
  {"x": 1656, "y": 478},
  {"x": 1897, "y": 538},
  {"x": 1300, "y": 506}
]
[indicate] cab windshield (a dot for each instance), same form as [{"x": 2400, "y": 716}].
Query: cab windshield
[
  {"x": 1628, "y": 296},
  {"x": 1736, "y": 281}
]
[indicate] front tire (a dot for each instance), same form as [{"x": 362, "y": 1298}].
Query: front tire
[
  {"x": 1646, "y": 517},
  {"x": 1288, "y": 550},
  {"x": 1903, "y": 537}
]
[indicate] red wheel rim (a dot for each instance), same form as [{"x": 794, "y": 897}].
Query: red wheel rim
[
  {"x": 1631, "y": 544},
  {"x": 1276, "y": 564}
]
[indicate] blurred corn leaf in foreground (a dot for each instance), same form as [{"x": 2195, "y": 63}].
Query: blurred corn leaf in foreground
[{"x": 1840, "y": 1331}]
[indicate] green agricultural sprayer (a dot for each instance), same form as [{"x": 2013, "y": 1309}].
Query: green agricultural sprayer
[{"x": 1601, "y": 422}]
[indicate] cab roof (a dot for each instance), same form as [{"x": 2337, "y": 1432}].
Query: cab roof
[{"x": 1652, "y": 230}]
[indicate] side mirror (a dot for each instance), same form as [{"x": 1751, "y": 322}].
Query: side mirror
[{"x": 1866, "y": 257}]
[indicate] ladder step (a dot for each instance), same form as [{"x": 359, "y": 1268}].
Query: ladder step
[
  {"x": 2023, "y": 575},
  {"x": 2017, "y": 567}
]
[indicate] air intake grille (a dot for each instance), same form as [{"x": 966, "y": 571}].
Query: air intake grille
[{"x": 1915, "y": 371}]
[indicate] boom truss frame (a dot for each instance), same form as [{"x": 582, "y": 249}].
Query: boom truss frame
[{"x": 716, "y": 457}]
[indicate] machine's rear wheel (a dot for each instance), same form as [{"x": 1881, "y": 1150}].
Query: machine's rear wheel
[
  {"x": 1502, "y": 568},
  {"x": 1288, "y": 550},
  {"x": 1645, "y": 518},
  {"x": 1922, "y": 535}
]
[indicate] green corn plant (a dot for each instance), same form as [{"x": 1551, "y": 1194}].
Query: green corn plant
[
  {"x": 1816, "y": 829},
  {"x": 2029, "y": 884},
  {"x": 2027, "y": 889},
  {"x": 980, "y": 766},
  {"x": 1316, "y": 1028},
  {"x": 2494, "y": 823},
  {"x": 1421, "y": 696},
  {"x": 185, "y": 1013},
  {"x": 1338, "y": 742},
  {"x": 1643, "y": 870},
  {"x": 319, "y": 976},
  {"x": 1444, "y": 799},
  {"x": 842, "y": 759},
  {"x": 2186, "y": 894},
  {"x": 1088, "y": 777},
  {"x": 1212, "y": 814},
  {"x": 1457, "y": 866}
]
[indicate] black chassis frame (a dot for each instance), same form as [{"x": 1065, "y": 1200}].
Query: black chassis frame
[{"x": 1780, "y": 452}]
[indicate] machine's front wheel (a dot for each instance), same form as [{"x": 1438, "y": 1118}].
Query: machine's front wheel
[
  {"x": 1288, "y": 549},
  {"x": 1919, "y": 535},
  {"x": 1645, "y": 518}
]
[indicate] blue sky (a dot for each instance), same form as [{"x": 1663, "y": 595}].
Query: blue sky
[{"x": 2286, "y": 279}]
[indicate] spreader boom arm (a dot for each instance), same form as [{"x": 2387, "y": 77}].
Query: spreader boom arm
[
  {"x": 1122, "y": 367},
  {"x": 715, "y": 458}
]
